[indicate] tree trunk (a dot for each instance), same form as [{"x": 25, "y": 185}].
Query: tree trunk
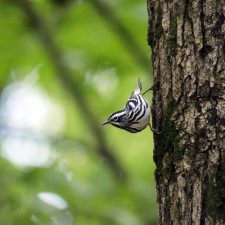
[{"x": 188, "y": 52}]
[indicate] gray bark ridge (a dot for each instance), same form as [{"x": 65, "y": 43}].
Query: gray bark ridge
[{"x": 188, "y": 55}]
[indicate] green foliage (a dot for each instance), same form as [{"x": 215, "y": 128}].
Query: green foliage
[{"x": 74, "y": 170}]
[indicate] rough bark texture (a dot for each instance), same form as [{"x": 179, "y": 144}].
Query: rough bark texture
[{"x": 188, "y": 52}]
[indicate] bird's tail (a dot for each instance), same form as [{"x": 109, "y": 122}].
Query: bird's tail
[{"x": 138, "y": 88}]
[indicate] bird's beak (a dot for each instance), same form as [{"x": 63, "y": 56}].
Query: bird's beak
[{"x": 106, "y": 122}]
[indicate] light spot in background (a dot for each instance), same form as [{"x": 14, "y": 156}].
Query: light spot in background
[
  {"x": 26, "y": 152},
  {"x": 35, "y": 219},
  {"x": 28, "y": 107},
  {"x": 53, "y": 199},
  {"x": 62, "y": 168},
  {"x": 103, "y": 81},
  {"x": 76, "y": 60},
  {"x": 123, "y": 216},
  {"x": 28, "y": 116},
  {"x": 64, "y": 218}
]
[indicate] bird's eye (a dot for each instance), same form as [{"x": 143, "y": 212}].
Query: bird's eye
[{"x": 115, "y": 118}]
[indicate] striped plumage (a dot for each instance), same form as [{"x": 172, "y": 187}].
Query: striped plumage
[{"x": 136, "y": 114}]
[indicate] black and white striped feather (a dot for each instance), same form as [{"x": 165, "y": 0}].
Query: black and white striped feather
[{"x": 136, "y": 114}]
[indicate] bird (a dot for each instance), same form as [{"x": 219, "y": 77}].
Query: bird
[{"x": 135, "y": 116}]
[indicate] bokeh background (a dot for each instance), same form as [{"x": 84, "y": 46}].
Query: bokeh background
[{"x": 66, "y": 65}]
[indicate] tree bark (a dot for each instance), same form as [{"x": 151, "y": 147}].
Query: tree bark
[{"x": 188, "y": 53}]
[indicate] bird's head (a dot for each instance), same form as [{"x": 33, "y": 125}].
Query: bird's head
[{"x": 117, "y": 119}]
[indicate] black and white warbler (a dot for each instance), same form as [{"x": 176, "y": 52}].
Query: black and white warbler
[{"x": 135, "y": 116}]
